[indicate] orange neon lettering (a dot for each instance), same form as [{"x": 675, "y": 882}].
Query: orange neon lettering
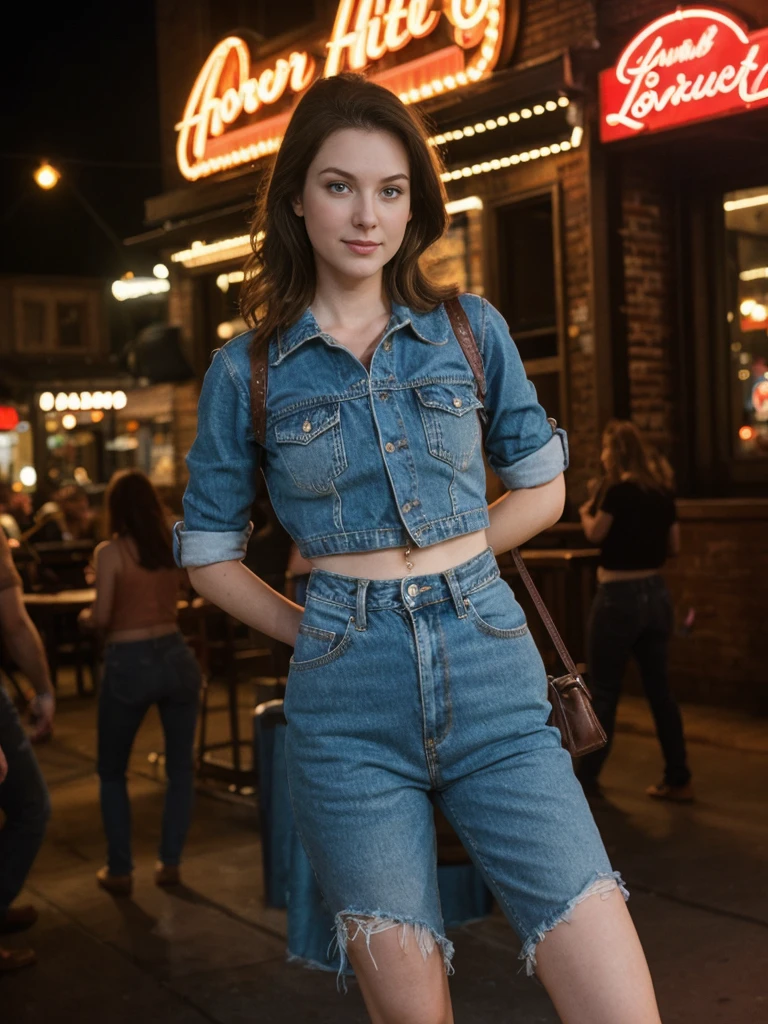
[
  {"x": 421, "y": 19},
  {"x": 207, "y": 113},
  {"x": 395, "y": 37},
  {"x": 364, "y": 31},
  {"x": 467, "y": 14},
  {"x": 357, "y": 32}
]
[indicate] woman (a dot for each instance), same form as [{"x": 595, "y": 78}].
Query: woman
[
  {"x": 147, "y": 662},
  {"x": 634, "y": 521},
  {"x": 414, "y": 676}
]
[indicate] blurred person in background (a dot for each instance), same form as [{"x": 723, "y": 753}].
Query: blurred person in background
[
  {"x": 24, "y": 797},
  {"x": 632, "y": 517},
  {"x": 147, "y": 661}
]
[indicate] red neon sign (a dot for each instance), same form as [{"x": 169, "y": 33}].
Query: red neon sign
[{"x": 694, "y": 64}]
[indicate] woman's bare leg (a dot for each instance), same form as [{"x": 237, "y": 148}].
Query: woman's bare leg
[
  {"x": 399, "y": 985},
  {"x": 594, "y": 968}
]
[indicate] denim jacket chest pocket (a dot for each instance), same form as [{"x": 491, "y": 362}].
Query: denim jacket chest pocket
[
  {"x": 311, "y": 446},
  {"x": 451, "y": 423}
]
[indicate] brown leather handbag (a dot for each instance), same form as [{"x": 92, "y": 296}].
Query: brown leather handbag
[{"x": 572, "y": 711}]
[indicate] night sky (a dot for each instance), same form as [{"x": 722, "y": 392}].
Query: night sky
[{"x": 79, "y": 88}]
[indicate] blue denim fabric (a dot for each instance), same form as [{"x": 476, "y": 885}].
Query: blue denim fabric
[
  {"x": 358, "y": 461},
  {"x": 431, "y": 687},
  {"x": 24, "y": 802},
  {"x": 137, "y": 674}
]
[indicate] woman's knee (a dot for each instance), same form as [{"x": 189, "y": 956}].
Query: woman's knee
[{"x": 401, "y": 968}]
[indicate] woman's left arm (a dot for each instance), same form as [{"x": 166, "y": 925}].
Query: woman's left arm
[
  {"x": 98, "y": 616},
  {"x": 596, "y": 527},
  {"x": 527, "y": 451},
  {"x": 519, "y": 515}
]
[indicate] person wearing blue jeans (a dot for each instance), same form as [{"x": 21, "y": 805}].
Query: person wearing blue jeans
[
  {"x": 24, "y": 797},
  {"x": 147, "y": 661},
  {"x": 160, "y": 671}
]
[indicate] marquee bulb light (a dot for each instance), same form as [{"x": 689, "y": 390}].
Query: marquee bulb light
[{"x": 46, "y": 401}]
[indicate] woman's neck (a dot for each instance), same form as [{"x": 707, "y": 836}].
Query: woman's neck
[{"x": 350, "y": 304}]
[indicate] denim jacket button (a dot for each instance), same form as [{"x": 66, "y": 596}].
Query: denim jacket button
[
  {"x": 413, "y": 590},
  {"x": 389, "y": 446},
  {"x": 306, "y": 426},
  {"x": 458, "y": 403},
  {"x": 383, "y": 395},
  {"x": 407, "y": 507},
  {"x": 387, "y": 345}
]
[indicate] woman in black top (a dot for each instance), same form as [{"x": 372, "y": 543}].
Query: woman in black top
[{"x": 634, "y": 521}]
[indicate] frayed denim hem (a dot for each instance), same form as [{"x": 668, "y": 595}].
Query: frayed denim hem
[
  {"x": 352, "y": 923},
  {"x": 602, "y": 885}
]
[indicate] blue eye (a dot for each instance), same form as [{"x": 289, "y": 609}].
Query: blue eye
[
  {"x": 394, "y": 189},
  {"x": 333, "y": 185}
]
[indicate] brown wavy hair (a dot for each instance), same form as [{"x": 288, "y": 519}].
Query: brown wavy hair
[
  {"x": 280, "y": 274},
  {"x": 134, "y": 510},
  {"x": 630, "y": 457}
]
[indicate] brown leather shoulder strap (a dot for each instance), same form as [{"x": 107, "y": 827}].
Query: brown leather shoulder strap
[
  {"x": 546, "y": 618},
  {"x": 466, "y": 338},
  {"x": 259, "y": 375}
]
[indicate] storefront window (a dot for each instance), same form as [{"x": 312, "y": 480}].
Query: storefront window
[
  {"x": 528, "y": 291},
  {"x": 746, "y": 222}
]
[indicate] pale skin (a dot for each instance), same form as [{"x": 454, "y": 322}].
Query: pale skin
[{"x": 357, "y": 189}]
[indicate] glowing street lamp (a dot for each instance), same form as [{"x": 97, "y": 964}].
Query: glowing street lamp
[{"x": 46, "y": 176}]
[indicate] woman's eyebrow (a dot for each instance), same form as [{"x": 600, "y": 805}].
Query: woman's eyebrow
[{"x": 348, "y": 174}]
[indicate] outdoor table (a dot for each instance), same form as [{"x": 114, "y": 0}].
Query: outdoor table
[{"x": 56, "y": 617}]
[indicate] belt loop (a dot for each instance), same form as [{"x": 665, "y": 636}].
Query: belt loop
[
  {"x": 361, "y": 622},
  {"x": 458, "y": 600}
]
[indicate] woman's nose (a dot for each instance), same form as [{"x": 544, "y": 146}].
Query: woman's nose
[{"x": 364, "y": 214}]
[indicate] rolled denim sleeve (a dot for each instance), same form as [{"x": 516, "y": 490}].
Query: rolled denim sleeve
[
  {"x": 222, "y": 463},
  {"x": 523, "y": 447}
]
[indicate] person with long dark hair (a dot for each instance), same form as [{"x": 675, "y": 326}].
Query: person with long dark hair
[
  {"x": 414, "y": 677},
  {"x": 147, "y": 661},
  {"x": 633, "y": 519}
]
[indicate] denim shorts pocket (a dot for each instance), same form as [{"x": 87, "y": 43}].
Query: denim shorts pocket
[
  {"x": 316, "y": 645},
  {"x": 451, "y": 424},
  {"x": 311, "y": 446},
  {"x": 494, "y": 610}
]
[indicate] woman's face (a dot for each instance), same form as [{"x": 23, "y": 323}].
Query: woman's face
[
  {"x": 605, "y": 456},
  {"x": 356, "y": 202}
]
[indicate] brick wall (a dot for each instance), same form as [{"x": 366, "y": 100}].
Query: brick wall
[
  {"x": 720, "y": 574},
  {"x": 649, "y": 282},
  {"x": 583, "y": 428},
  {"x": 549, "y": 26}
]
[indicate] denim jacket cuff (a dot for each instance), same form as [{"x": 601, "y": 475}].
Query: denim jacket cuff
[
  {"x": 540, "y": 466},
  {"x": 193, "y": 548}
]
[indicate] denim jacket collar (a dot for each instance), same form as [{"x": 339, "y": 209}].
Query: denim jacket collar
[{"x": 433, "y": 327}]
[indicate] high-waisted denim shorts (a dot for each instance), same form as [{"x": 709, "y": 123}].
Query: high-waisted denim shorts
[{"x": 426, "y": 688}]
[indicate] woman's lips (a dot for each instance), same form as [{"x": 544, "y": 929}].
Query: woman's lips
[{"x": 362, "y": 248}]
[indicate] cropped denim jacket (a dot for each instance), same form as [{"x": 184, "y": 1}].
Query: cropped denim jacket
[{"x": 356, "y": 460}]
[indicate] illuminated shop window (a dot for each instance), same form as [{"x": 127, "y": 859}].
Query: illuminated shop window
[{"x": 746, "y": 222}]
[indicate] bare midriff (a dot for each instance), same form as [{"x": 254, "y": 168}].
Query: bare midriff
[
  {"x": 392, "y": 563},
  {"x": 614, "y": 575}
]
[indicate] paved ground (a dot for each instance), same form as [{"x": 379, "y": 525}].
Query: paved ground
[{"x": 211, "y": 953}]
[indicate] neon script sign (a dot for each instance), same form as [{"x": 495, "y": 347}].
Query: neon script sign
[
  {"x": 228, "y": 119},
  {"x": 694, "y": 64}
]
